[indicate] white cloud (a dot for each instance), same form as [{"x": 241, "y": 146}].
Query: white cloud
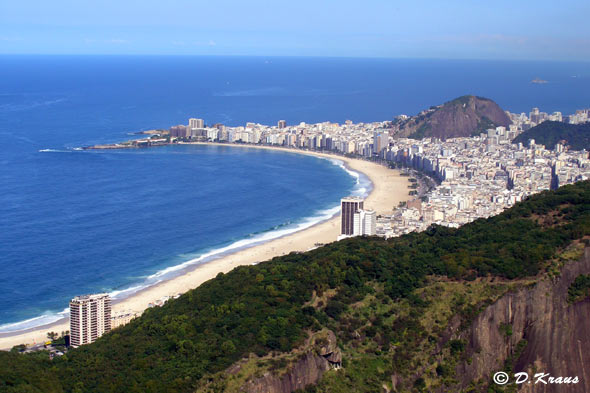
[
  {"x": 203, "y": 43},
  {"x": 118, "y": 41}
]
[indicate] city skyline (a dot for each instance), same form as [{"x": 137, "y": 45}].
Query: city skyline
[
  {"x": 480, "y": 176},
  {"x": 529, "y": 30}
]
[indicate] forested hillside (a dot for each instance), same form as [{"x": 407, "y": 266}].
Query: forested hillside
[
  {"x": 388, "y": 302},
  {"x": 549, "y": 133}
]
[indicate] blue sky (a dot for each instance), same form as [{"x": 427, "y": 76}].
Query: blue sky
[{"x": 499, "y": 29}]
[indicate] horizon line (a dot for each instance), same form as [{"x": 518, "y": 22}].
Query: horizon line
[{"x": 297, "y": 57}]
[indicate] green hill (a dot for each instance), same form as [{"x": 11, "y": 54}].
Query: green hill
[
  {"x": 387, "y": 303},
  {"x": 549, "y": 133}
]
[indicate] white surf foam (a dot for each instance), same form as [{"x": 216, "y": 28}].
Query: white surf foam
[
  {"x": 362, "y": 188},
  {"x": 208, "y": 256},
  {"x": 57, "y": 150},
  {"x": 363, "y": 183},
  {"x": 41, "y": 320}
]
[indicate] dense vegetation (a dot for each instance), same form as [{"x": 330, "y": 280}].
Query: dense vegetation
[
  {"x": 580, "y": 289},
  {"x": 274, "y": 305},
  {"x": 549, "y": 133}
]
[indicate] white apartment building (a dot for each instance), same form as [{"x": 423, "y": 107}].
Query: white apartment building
[
  {"x": 90, "y": 318},
  {"x": 212, "y": 134},
  {"x": 365, "y": 223}
]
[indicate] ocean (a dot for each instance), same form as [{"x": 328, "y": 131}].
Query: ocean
[{"x": 75, "y": 222}]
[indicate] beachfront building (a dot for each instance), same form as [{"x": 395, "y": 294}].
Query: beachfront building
[
  {"x": 365, "y": 223},
  {"x": 196, "y": 123},
  {"x": 349, "y": 206},
  {"x": 123, "y": 318},
  {"x": 90, "y": 318},
  {"x": 380, "y": 141}
]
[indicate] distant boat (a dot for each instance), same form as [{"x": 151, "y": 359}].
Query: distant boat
[{"x": 539, "y": 81}]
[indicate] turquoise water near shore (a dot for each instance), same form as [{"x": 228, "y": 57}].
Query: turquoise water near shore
[{"x": 75, "y": 222}]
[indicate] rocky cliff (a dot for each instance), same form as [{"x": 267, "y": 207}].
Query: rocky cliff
[
  {"x": 462, "y": 117},
  {"x": 537, "y": 330},
  {"x": 306, "y": 371},
  {"x": 323, "y": 355}
]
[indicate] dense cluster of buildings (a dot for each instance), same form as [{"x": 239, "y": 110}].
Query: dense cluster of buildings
[
  {"x": 362, "y": 139},
  {"x": 479, "y": 176},
  {"x": 536, "y": 117}
]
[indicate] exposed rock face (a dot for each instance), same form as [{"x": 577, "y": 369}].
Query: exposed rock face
[
  {"x": 330, "y": 350},
  {"x": 306, "y": 371},
  {"x": 557, "y": 334},
  {"x": 462, "y": 117}
]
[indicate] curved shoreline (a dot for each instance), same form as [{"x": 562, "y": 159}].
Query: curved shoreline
[
  {"x": 388, "y": 189},
  {"x": 207, "y": 255}
]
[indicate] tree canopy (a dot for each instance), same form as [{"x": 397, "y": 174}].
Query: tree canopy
[{"x": 266, "y": 307}]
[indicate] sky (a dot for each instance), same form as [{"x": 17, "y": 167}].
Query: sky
[{"x": 468, "y": 29}]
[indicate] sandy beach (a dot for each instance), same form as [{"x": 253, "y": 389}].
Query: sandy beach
[{"x": 389, "y": 188}]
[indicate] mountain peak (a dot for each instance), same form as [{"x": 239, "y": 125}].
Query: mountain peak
[{"x": 464, "y": 116}]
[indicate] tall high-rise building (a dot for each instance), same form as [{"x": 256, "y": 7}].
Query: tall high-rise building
[
  {"x": 282, "y": 124},
  {"x": 535, "y": 115},
  {"x": 90, "y": 318},
  {"x": 196, "y": 123},
  {"x": 349, "y": 206},
  {"x": 380, "y": 141}
]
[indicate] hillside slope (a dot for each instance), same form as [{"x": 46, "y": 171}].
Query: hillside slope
[
  {"x": 549, "y": 133},
  {"x": 462, "y": 117},
  {"x": 363, "y": 314}
]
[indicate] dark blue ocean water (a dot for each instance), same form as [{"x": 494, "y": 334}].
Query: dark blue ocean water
[{"x": 76, "y": 222}]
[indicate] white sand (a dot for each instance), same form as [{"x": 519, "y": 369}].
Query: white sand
[{"x": 389, "y": 188}]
